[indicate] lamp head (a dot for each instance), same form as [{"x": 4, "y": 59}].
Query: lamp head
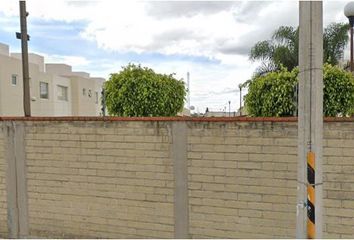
[
  {"x": 349, "y": 12},
  {"x": 349, "y": 9}
]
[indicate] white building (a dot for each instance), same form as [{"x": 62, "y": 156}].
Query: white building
[{"x": 55, "y": 89}]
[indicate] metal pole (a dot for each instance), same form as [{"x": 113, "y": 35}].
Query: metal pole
[
  {"x": 189, "y": 92},
  {"x": 310, "y": 121},
  {"x": 296, "y": 97},
  {"x": 229, "y": 109},
  {"x": 25, "y": 68},
  {"x": 240, "y": 100},
  {"x": 351, "y": 48},
  {"x": 103, "y": 102}
]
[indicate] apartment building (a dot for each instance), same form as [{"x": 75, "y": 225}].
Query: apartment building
[{"x": 55, "y": 89}]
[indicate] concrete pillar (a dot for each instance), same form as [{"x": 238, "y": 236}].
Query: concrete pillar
[
  {"x": 179, "y": 157},
  {"x": 16, "y": 181},
  {"x": 310, "y": 120}
]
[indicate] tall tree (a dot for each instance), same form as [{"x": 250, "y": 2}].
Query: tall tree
[
  {"x": 283, "y": 48},
  {"x": 335, "y": 38}
]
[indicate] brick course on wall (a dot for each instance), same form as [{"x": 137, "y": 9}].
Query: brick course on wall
[{"x": 114, "y": 179}]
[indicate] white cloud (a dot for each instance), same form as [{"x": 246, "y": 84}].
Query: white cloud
[
  {"x": 71, "y": 60},
  {"x": 76, "y": 61},
  {"x": 133, "y": 30},
  {"x": 222, "y": 32},
  {"x": 205, "y": 27},
  {"x": 127, "y": 25}
]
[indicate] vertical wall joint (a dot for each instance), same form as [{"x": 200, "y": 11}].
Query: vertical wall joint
[
  {"x": 16, "y": 180},
  {"x": 179, "y": 157}
]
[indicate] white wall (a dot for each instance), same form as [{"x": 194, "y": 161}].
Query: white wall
[
  {"x": 83, "y": 105},
  {"x": 41, "y": 106},
  {"x": 4, "y": 49},
  {"x": 58, "y": 69},
  {"x": 32, "y": 58},
  {"x": 98, "y": 88},
  {"x": 61, "y": 107},
  {"x": 11, "y": 97}
]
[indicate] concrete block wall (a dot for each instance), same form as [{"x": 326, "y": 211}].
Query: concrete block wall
[
  {"x": 338, "y": 179},
  {"x": 242, "y": 179},
  {"x": 99, "y": 179},
  {"x": 3, "y": 202},
  {"x": 118, "y": 178}
]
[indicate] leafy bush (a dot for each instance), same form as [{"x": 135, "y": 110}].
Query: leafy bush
[
  {"x": 338, "y": 93},
  {"x": 136, "y": 91},
  {"x": 273, "y": 93}
]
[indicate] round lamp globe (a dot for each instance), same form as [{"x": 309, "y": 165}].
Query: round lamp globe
[{"x": 349, "y": 10}]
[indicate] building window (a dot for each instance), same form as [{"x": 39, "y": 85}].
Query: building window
[
  {"x": 14, "y": 79},
  {"x": 96, "y": 97},
  {"x": 62, "y": 93},
  {"x": 84, "y": 91},
  {"x": 43, "y": 90},
  {"x": 89, "y": 93}
]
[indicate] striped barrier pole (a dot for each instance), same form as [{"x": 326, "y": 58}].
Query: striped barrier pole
[{"x": 311, "y": 227}]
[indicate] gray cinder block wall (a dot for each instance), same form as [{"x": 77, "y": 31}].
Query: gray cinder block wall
[{"x": 165, "y": 178}]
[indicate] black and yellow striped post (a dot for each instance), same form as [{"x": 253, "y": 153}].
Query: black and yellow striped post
[{"x": 311, "y": 229}]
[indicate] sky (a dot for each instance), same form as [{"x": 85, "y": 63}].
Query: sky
[{"x": 209, "y": 39}]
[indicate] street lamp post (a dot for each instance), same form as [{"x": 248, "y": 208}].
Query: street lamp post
[
  {"x": 240, "y": 86},
  {"x": 229, "y": 108},
  {"x": 349, "y": 13}
]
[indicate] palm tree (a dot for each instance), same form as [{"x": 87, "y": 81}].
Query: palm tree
[
  {"x": 283, "y": 48},
  {"x": 335, "y": 38}
]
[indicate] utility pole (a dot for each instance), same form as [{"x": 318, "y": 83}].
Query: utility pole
[
  {"x": 25, "y": 69},
  {"x": 310, "y": 121}
]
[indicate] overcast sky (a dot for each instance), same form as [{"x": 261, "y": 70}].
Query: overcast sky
[{"x": 210, "y": 39}]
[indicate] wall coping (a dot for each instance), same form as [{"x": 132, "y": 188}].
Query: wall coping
[{"x": 169, "y": 119}]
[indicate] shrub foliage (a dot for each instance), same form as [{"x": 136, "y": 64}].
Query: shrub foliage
[
  {"x": 273, "y": 94},
  {"x": 138, "y": 91}
]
